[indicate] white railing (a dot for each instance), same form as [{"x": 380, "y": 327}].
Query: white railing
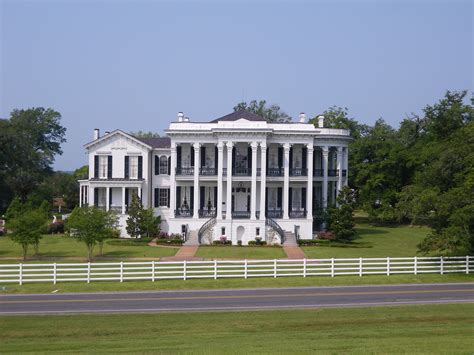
[{"x": 154, "y": 270}]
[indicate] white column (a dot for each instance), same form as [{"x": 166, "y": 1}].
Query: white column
[
  {"x": 173, "y": 180},
  {"x": 286, "y": 181},
  {"x": 253, "y": 189},
  {"x": 107, "y": 198},
  {"x": 263, "y": 179},
  {"x": 220, "y": 162},
  {"x": 325, "y": 176},
  {"x": 139, "y": 193},
  {"x": 81, "y": 188},
  {"x": 229, "y": 181},
  {"x": 123, "y": 200},
  {"x": 309, "y": 192},
  {"x": 346, "y": 164},
  {"x": 197, "y": 161},
  {"x": 340, "y": 166}
]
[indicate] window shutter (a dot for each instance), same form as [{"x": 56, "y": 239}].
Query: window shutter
[
  {"x": 291, "y": 159},
  {"x": 178, "y": 156},
  {"x": 127, "y": 167},
  {"x": 202, "y": 197},
  {"x": 304, "y": 157},
  {"x": 140, "y": 167},
  {"x": 110, "y": 197},
  {"x": 96, "y": 166},
  {"x": 178, "y": 197},
  {"x": 96, "y": 196},
  {"x": 157, "y": 197},
  {"x": 192, "y": 156},
  {"x": 279, "y": 198},
  {"x": 248, "y": 203},
  {"x": 168, "y": 198},
  {"x": 266, "y": 199},
  {"x": 249, "y": 158},
  {"x": 169, "y": 165},
  {"x": 215, "y": 197},
  {"x": 109, "y": 166},
  {"x": 191, "y": 198},
  {"x": 290, "y": 199},
  {"x": 280, "y": 157},
  {"x": 126, "y": 196},
  {"x": 303, "y": 198},
  {"x": 216, "y": 158},
  {"x": 203, "y": 156},
  {"x": 266, "y": 159},
  {"x": 157, "y": 165}
]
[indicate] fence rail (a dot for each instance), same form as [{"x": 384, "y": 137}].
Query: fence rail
[{"x": 153, "y": 270}]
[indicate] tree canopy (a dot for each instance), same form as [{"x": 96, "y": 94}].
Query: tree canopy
[{"x": 271, "y": 113}]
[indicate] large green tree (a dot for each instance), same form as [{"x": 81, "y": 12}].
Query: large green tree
[{"x": 271, "y": 113}]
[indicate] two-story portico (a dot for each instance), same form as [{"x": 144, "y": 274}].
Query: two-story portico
[{"x": 237, "y": 177}]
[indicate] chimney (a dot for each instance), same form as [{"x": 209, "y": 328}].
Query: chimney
[
  {"x": 186, "y": 119},
  {"x": 96, "y": 133},
  {"x": 107, "y": 132},
  {"x": 321, "y": 121},
  {"x": 302, "y": 117},
  {"x": 180, "y": 116}
]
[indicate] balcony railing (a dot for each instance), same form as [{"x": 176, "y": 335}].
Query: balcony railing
[
  {"x": 240, "y": 171},
  {"x": 274, "y": 214},
  {"x": 332, "y": 172},
  {"x": 207, "y": 171},
  {"x": 117, "y": 209},
  {"x": 275, "y": 171},
  {"x": 298, "y": 172},
  {"x": 240, "y": 214},
  {"x": 318, "y": 172},
  {"x": 185, "y": 171},
  {"x": 207, "y": 213},
  {"x": 183, "y": 212},
  {"x": 297, "y": 214}
]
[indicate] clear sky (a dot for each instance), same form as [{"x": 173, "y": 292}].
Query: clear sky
[{"x": 134, "y": 64}]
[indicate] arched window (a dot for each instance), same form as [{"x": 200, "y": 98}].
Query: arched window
[{"x": 163, "y": 165}]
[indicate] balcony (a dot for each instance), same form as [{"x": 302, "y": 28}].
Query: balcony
[
  {"x": 298, "y": 172},
  {"x": 207, "y": 213},
  {"x": 241, "y": 171},
  {"x": 318, "y": 172},
  {"x": 274, "y": 214},
  {"x": 275, "y": 171},
  {"x": 183, "y": 212},
  {"x": 204, "y": 171},
  {"x": 117, "y": 209},
  {"x": 185, "y": 171},
  {"x": 240, "y": 215},
  {"x": 297, "y": 214}
]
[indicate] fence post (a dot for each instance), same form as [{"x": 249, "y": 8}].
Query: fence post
[
  {"x": 184, "y": 270},
  {"x": 415, "y": 265},
  {"x": 467, "y": 264},
  {"x": 20, "y": 273},
  {"x": 245, "y": 269},
  {"x": 360, "y": 266},
  {"x": 121, "y": 271},
  {"x": 153, "y": 271},
  {"x": 304, "y": 267},
  {"x": 441, "y": 265},
  {"x": 54, "y": 273},
  {"x": 275, "y": 268},
  {"x": 215, "y": 269},
  {"x": 332, "y": 267},
  {"x": 89, "y": 272},
  {"x": 388, "y": 266}
]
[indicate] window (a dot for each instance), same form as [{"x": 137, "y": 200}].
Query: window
[
  {"x": 296, "y": 203},
  {"x": 223, "y": 231},
  {"x": 133, "y": 167},
  {"x": 257, "y": 232},
  {"x": 272, "y": 199},
  {"x": 163, "y": 165},
  {"x": 103, "y": 166},
  {"x": 163, "y": 198}
]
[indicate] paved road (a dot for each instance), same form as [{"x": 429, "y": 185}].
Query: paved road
[{"x": 237, "y": 299}]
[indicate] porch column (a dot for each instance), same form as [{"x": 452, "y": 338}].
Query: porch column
[
  {"x": 139, "y": 193},
  {"x": 253, "y": 189},
  {"x": 309, "y": 192},
  {"x": 286, "y": 181},
  {"x": 325, "y": 176},
  {"x": 173, "y": 180},
  {"x": 263, "y": 178},
  {"x": 228, "y": 203},
  {"x": 107, "y": 198},
  {"x": 81, "y": 188},
  {"x": 197, "y": 147},
  {"x": 123, "y": 200},
  {"x": 346, "y": 165},
  {"x": 220, "y": 161},
  {"x": 340, "y": 166}
]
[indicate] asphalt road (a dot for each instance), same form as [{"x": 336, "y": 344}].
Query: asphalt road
[{"x": 237, "y": 299}]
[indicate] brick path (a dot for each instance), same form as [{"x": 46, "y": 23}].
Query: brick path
[
  {"x": 186, "y": 252},
  {"x": 294, "y": 252}
]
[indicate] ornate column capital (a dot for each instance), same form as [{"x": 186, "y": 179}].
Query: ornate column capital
[
  {"x": 254, "y": 145},
  {"x": 263, "y": 145},
  {"x": 287, "y": 146},
  {"x": 325, "y": 150},
  {"x": 220, "y": 145},
  {"x": 197, "y": 145},
  {"x": 229, "y": 144}
]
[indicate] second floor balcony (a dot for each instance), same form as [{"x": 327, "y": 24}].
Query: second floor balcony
[
  {"x": 183, "y": 212},
  {"x": 207, "y": 171},
  {"x": 185, "y": 171},
  {"x": 298, "y": 172},
  {"x": 275, "y": 171}
]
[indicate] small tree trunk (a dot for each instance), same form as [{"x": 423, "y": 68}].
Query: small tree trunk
[
  {"x": 90, "y": 249},
  {"x": 36, "y": 245},
  {"x": 101, "y": 246},
  {"x": 25, "y": 250}
]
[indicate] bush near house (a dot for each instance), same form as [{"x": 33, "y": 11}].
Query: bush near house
[{"x": 164, "y": 238}]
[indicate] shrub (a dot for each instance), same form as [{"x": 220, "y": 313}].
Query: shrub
[
  {"x": 326, "y": 235},
  {"x": 239, "y": 243},
  {"x": 56, "y": 227},
  {"x": 257, "y": 243},
  {"x": 223, "y": 241}
]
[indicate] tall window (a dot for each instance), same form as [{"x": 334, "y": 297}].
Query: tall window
[
  {"x": 103, "y": 166},
  {"x": 133, "y": 167},
  {"x": 163, "y": 198},
  {"x": 296, "y": 203},
  {"x": 163, "y": 165},
  {"x": 272, "y": 198}
]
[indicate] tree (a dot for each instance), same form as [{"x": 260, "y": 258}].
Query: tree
[
  {"x": 141, "y": 221},
  {"x": 92, "y": 226},
  {"x": 27, "y": 228},
  {"x": 271, "y": 113},
  {"x": 134, "y": 215},
  {"x": 29, "y": 141},
  {"x": 338, "y": 117},
  {"x": 149, "y": 223},
  {"x": 341, "y": 219},
  {"x": 145, "y": 134}
]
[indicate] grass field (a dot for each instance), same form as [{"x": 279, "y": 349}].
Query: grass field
[
  {"x": 431, "y": 329},
  {"x": 230, "y": 252},
  {"x": 62, "y": 246},
  {"x": 372, "y": 242},
  {"x": 231, "y": 283}
]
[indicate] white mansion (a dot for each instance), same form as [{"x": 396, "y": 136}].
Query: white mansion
[{"x": 237, "y": 177}]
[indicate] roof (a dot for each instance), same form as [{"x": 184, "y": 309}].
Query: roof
[
  {"x": 158, "y": 142},
  {"x": 237, "y": 115}
]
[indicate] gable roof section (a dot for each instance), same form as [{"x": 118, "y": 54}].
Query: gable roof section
[
  {"x": 113, "y": 133},
  {"x": 237, "y": 115},
  {"x": 158, "y": 142}
]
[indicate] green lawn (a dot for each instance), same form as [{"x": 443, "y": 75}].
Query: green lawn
[
  {"x": 61, "y": 246},
  {"x": 430, "y": 329},
  {"x": 236, "y": 252},
  {"x": 373, "y": 241},
  {"x": 100, "y": 286}
]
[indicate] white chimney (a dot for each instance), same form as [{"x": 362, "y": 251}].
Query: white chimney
[
  {"x": 186, "y": 119},
  {"x": 302, "y": 117},
  {"x": 107, "y": 132},
  {"x": 321, "y": 121},
  {"x": 180, "y": 116},
  {"x": 96, "y": 133}
]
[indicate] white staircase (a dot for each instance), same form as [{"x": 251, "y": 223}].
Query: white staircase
[
  {"x": 290, "y": 239},
  {"x": 192, "y": 238}
]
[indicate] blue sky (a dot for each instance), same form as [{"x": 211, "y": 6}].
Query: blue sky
[{"x": 134, "y": 64}]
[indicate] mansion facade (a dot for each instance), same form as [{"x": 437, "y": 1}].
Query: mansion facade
[{"x": 237, "y": 177}]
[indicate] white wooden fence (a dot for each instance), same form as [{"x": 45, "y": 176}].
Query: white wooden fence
[{"x": 153, "y": 270}]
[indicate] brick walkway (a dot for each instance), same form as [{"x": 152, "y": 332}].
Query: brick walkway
[
  {"x": 186, "y": 252},
  {"x": 294, "y": 252}
]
